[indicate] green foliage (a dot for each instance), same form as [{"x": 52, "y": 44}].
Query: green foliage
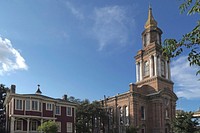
[
  {"x": 184, "y": 123},
  {"x": 74, "y": 100},
  {"x": 3, "y": 91},
  {"x": 189, "y": 41},
  {"x": 194, "y": 7},
  {"x": 89, "y": 117},
  {"x": 132, "y": 129},
  {"x": 48, "y": 127}
]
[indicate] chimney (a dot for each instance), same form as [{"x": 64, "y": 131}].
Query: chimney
[
  {"x": 64, "y": 97},
  {"x": 13, "y": 88}
]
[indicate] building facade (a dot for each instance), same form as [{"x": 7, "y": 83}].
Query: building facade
[
  {"x": 25, "y": 112},
  {"x": 150, "y": 103}
]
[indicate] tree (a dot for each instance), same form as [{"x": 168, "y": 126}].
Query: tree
[
  {"x": 48, "y": 127},
  {"x": 74, "y": 100},
  {"x": 132, "y": 129},
  {"x": 189, "y": 41},
  {"x": 90, "y": 117},
  {"x": 3, "y": 91},
  {"x": 185, "y": 123}
]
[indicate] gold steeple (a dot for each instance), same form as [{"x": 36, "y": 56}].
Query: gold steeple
[{"x": 151, "y": 22}]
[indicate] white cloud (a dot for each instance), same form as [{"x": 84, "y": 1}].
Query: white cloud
[
  {"x": 10, "y": 58},
  {"x": 184, "y": 76},
  {"x": 74, "y": 11},
  {"x": 111, "y": 26}
]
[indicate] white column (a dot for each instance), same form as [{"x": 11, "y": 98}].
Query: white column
[
  {"x": 12, "y": 125},
  {"x": 137, "y": 71},
  {"x": 155, "y": 64},
  {"x": 150, "y": 66},
  {"x": 166, "y": 69},
  {"x": 28, "y": 121},
  {"x": 159, "y": 66},
  {"x": 141, "y": 69}
]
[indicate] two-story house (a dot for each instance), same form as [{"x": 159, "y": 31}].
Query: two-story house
[{"x": 25, "y": 112}]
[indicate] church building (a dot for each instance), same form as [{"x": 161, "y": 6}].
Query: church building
[{"x": 150, "y": 103}]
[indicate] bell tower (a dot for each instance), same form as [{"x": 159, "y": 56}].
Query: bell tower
[{"x": 152, "y": 68}]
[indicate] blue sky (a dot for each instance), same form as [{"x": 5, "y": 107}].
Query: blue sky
[{"x": 86, "y": 48}]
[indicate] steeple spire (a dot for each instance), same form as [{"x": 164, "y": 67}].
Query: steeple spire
[{"x": 151, "y": 22}]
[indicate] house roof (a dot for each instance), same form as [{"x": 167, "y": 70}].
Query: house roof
[{"x": 38, "y": 96}]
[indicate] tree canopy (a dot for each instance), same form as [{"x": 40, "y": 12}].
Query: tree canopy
[
  {"x": 89, "y": 117},
  {"x": 3, "y": 91},
  {"x": 189, "y": 41},
  {"x": 132, "y": 129},
  {"x": 185, "y": 123},
  {"x": 48, "y": 127}
]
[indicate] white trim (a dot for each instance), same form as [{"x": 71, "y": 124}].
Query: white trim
[
  {"x": 137, "y": 72},
  {"x": 13, "y": 106},
  {"x": 31, "y": 116},
  {"x": 150, "y": 66},
  {"x": 155, "y": 65},
  {"x": 39, "y": 97}
]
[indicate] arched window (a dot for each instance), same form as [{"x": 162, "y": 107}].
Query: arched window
[
  {"x": 158, "y": 39},
  {"x": 142, "y": 113},
  {"x": 166, "y": 114},
  {"x": 126, "y": 114},
  {"x": 121, "y": 121},
  {"x": 110, "y": 113},
  {"x": 167, "y": 128},
  {"x": 143, "y": 129},
  {"x": 148, "y": 39},
  {"x": 162, "y": 67},
  {"x": 146, "y": 68},
  {"x": 144, "y": 40}
]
